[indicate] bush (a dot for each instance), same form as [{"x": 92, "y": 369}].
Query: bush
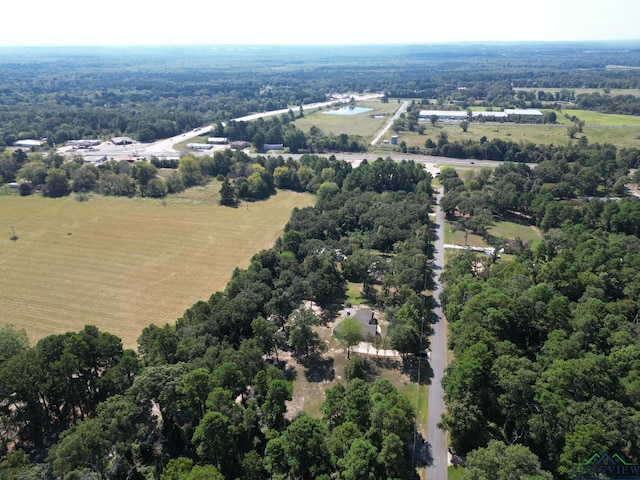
[{"x": 25, "y": 189}]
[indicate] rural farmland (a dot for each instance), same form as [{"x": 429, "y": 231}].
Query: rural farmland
[{"x": 122, "y": 264}]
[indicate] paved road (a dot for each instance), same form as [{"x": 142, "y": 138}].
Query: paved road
[
  {"x": 387, "y": 126},
  {"x": 437, "y": 438}
]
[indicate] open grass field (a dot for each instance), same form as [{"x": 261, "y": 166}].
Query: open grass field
[
  {"x": 500, "y": 229},
  {"x": 364, "y": 124},
  {"x": 618, "y": 134},
  {"x": 597, "y": 119},
  {"x": 122, "y": 264},
  {"x": 579, "y": 91}
]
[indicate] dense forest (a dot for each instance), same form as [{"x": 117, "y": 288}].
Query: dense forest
[{"x": 546, "y": 350}]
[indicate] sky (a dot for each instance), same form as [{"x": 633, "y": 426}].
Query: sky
[{"x": 326, "y": 22}]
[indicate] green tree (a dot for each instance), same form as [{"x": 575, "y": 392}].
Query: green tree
[
  {"x": 404, "y": 331},
  {"x": 190, "y": 171},
  {"x": 156, "y": 188},
  {"x": 581, "y": 444},
  {"x": 268, "y": 336},
  {"x": 275, "y": 406},
  {"x": 503, "y": 462},
  {"x": 392, "y": 456},
  {"x": 57, "y": 184},
  {"x": 34, "y": 172},
  {"x": 215, "y": 440},
  {"x": 85, "y": 178},
  {"x": 83, "y": 447},
  {"x": 300, "y": 452},
  {"x": 158, "y": 344},
  {"x": 228, "y": 196},
  {"x": 350, "y": 333},
  {"x": 303, "y": 340},
  {"x": 143, "y": 172},
  {"x": 12, "y": 342},
  {"x": 194, "y": 388},
  {"x": 360, "y": 462}
]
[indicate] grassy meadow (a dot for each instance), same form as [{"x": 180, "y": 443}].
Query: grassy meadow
[
  {"x": 122, "y": 264},
  {"x": 617, "y": 134},
  {"x": 364, "y": 124}
]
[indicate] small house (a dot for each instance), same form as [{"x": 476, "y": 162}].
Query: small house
[{"x": 366, "y": 318}]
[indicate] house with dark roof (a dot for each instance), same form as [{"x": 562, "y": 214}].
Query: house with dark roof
[{"x": 366, "y": 318}]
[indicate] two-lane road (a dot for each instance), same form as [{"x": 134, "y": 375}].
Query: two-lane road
[{"x": 437, "y": 438}]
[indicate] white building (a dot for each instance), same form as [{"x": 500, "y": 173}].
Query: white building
[
  {"x": 459, "y": 115},
  {"x": 28, "y": 143},
  {"x": 199, "y": 146}
]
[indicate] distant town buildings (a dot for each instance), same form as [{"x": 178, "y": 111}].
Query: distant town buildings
[
  {"x": 121, "y": 140},
  {"x": 199, "y": 146},
  {"x": 83, "y": 143},
  {"x": 459, "y": 115},
  {"x": 28, "y": 143}
]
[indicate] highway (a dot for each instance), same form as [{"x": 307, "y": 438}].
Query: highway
[{"x": 164, "y": 148}]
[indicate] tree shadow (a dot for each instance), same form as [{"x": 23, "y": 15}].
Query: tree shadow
[
  {"x": 387, "y": 363},
  {"x": 318, "y": 369},
  {"x": 417, "y": 369},
  {"x": 423, "y": 456}
]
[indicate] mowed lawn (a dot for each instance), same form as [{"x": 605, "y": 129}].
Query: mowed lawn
[{"x": 122, "y": 264}]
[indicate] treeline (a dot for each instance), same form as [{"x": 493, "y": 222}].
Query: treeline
[
  {"x": 522, "y": 152},
  {"x": 546, "y": 196},
  {"x": 207, "y": 397},
  {"x": 620, "y": 104},
  {"x": 252, "y": 178}
]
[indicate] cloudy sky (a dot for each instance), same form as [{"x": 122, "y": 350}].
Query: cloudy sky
[{"x": 138, "y": 22}]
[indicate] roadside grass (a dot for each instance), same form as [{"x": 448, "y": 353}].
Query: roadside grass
[
  {"x": 454, "y": 237},
  {"x": 122, "y": 264},
  {"x": 182, "y": 145},
  {"x": 455, "y": 472}
]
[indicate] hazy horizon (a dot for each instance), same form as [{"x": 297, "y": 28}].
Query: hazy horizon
[{"x": 336, "y": 22}]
